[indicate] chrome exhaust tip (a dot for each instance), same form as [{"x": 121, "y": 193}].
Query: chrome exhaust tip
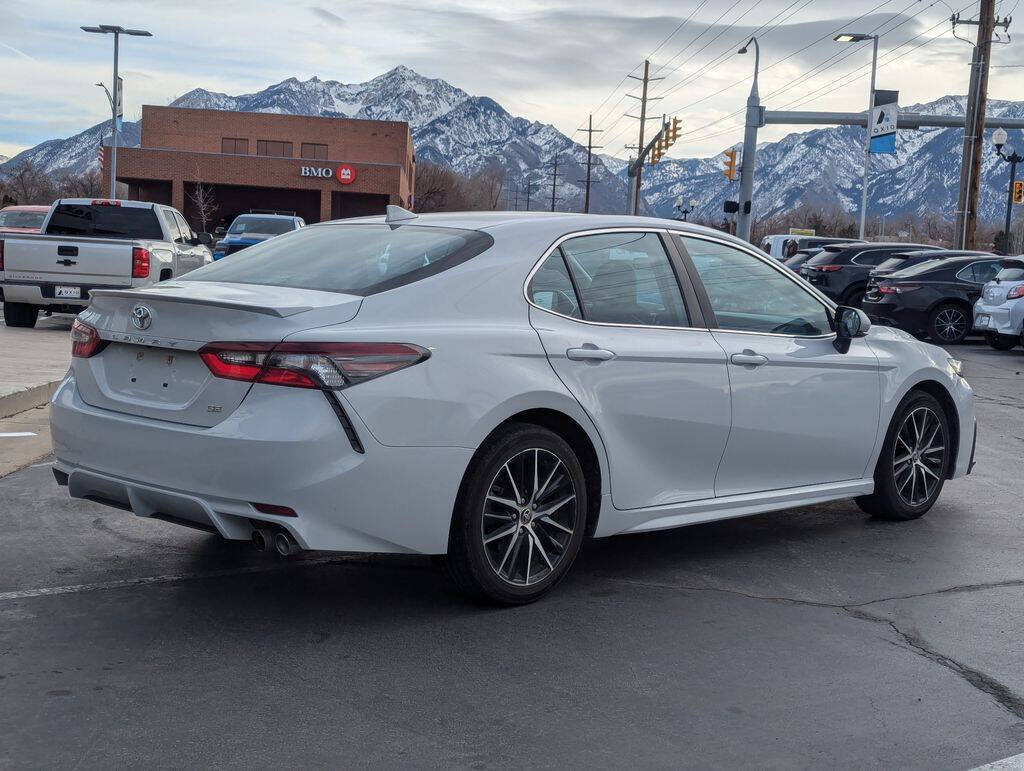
[{"x": 285, "y": 544}]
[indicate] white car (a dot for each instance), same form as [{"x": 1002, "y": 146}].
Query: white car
[{"x": 496, "y": 387}]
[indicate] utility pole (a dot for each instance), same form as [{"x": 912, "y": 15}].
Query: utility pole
[
  {"x": 529, "y": 188},
  {"x": 754, "y": 120},
  {"x": 554, "y": 181},
  {"x": 642, "y": 117},
  {"x": 590, "y": 159},
  {"x": 970, "y": 164}
]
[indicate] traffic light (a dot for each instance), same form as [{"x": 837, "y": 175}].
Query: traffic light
[
  {"x": 729, "y": 167},
  {"x": 1018, "y": 192},
  {"x": 673, "y": 131},
  {"x": 658, "y": 150},
  {"x": 668, "y": 137}
]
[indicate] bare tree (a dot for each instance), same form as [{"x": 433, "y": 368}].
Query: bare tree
[
  {"x": 439, "y": 188},
  {"x": 26, "y": 184},
  {"x": 204, "y": 203}
]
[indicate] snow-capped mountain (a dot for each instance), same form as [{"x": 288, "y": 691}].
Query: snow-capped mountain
[
  {"x": 824, "y": 168},
  {"x": 4, "y": 158},
  {"x": 470, "y": 133}
]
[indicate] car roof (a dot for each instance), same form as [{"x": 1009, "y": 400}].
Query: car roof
[
  {"x": 26, "y": 207},
  {"x": 267, "y": 216}
]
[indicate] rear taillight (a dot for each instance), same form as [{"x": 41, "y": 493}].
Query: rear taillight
[
  {"x": 140, "y": 262},
  {"x": 1016, "y": 293},
  {"x": 826, "y": 268},
  {"x": 309, "y": 365},
  {"x": 1, "y": 254},
  {"x": 902, "y": 289},
  {"x": 85, "y": 340}
]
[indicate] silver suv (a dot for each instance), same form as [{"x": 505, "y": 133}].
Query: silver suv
[{"x": 999, "y": 312}]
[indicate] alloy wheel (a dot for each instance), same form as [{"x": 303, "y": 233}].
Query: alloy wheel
[
  {"x": 951, "y": 324},
  {"x": 919, "y": 456},
  {"x": 529, "y": 516}
]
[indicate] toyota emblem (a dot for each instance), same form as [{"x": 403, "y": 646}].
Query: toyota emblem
[{"x": 142, "y": 317}]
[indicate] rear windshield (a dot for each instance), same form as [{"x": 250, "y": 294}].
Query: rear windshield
[
  {"x": 354, "y": 259},
  {"x": 921, "y": 267},
  {"x": 268, "y": 226},
  {"x": 70, "y": 219},
  {"x": 827, "y": 255},
  {"x": 1012, "y": 271},
  {"x": 21, "y": 219}
]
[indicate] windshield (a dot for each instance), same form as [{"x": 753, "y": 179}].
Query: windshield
[
  {"x": 21, "y": 219},
  {"x": 104, "y": 221},
  {"x": 272, "y": 226},
  {"x": 354, "y": 259}
]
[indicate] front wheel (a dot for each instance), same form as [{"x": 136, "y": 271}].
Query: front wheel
[
  {"x": 1001, "y": 342},
  {"x": 949, "y": 324},
  {"x": 520, "y": 517},
  {"x": 912, "y": 466}
]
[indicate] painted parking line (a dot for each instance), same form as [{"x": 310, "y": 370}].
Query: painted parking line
[
  {"x": 12, "y": 434},
  {"x": 21, "y": 594},
  {"x": 1013, "y": 763}
]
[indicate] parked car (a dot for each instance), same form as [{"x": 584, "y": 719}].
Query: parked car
[
  {"x": 250, "y": 229},
  {"x": 98, "y": 244},
  {"x": 782, "y": 247},
  {"x": 494, "y": 388},
  {"x": 802, "y": 256},
  {"x": 999, "y": 312},
  {"x": 22, "y": 219},
  {"x": 843, "y": 274},
  {"x": 903, "y": 260},
  {"x": 935, "y": 298}
]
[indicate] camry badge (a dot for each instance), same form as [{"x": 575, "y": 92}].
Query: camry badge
[{"x": 142, "y": 317}]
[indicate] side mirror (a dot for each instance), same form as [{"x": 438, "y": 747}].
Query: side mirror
[
  {"x": 220, "y": 231},
  {"x": 205, "y": 239},
  {"x": 849, "y": 323}
]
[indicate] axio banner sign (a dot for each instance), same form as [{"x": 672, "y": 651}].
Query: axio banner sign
[{"x": 883, "y": 127}]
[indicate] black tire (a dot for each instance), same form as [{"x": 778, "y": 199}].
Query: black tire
[
  {"x": 890, "y": 500},
  {"x": 854, "y": 298},
  {"x": 20, "y": 315},
  {"x": 949, "y": 324},
  {"x": 479, "y": 514},
  {"x": 1001, "y": 342}
]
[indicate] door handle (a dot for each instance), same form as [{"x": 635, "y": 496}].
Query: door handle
[
  {"x": 589, "y": 354},
  {"x": 748, "y": 359}
]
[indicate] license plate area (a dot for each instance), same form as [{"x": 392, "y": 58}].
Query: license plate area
[
  {"x": 70, "y": 292},
  {"x": 154, "y": 376},
  {"x": 981, "y": 321}
]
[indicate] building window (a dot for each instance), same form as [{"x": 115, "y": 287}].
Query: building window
[
  {"x": 233, "y": 146},
  {"x": 314, "y": 152},
  {"x": 274, "y": 149}
]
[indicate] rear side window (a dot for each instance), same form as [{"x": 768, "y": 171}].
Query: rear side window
[
  {"x": 625, "y": 278},
  {"x": 979, "y": 272},
  {"x": 104, "y": 222},
  {"x": 353, "y": 259},
  {"x": 552, "y": 289}
]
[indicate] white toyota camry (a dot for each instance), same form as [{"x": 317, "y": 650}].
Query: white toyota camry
[{"x": 495, "y": 387}]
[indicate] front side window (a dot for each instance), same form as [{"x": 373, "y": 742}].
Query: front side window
[
  {"x": 748, "y": 295},
  {"x": 625, "y": 278},
  {"x": 184, "y": 227}
]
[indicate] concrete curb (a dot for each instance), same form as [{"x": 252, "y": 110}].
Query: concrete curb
[{"x": 27, "y": 398}]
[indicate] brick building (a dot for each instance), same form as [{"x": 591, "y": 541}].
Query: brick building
[{"x": 319, "y": 168}]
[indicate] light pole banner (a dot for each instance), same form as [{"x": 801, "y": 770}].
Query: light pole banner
[{"x": 883, "y": 128}]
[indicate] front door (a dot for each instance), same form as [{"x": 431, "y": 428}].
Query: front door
[
  {"x": 802, "y": 413},
  {"x": 617, "y": 332}
]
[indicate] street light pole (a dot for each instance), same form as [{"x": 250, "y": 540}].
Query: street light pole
[
  {"x": 115, "y": 94},
  {"x": 1012, "y": 157},
  {"x": 684, "y": 210},
  {"x": 744, "y": 216},
  {"x": 853, "y": 37}
]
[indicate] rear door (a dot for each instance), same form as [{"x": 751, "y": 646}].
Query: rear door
[
  {"x": 802, "y": 413},
  {"x": 628, "y": 341}
]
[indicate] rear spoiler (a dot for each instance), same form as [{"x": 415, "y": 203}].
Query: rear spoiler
[{"x": 141, "y": 295}]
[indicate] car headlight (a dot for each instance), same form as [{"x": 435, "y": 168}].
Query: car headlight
[{"x": 957, "y": 367}]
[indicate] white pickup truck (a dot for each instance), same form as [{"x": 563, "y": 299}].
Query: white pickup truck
[{"x": 88, "y": 244}]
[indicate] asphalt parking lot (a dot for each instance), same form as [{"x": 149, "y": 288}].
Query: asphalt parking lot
[{"x": 808, "y": 638}]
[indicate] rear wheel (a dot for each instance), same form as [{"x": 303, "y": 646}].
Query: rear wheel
[
  {"x": 855, "y": 298},
  {"x": 1001, "y": 342},
  {"x": 948, "y": 324},
  {"x": 20, "y": 314},
  {"x": 520, "y": 517},
  {"x": 911, "y": 468}
]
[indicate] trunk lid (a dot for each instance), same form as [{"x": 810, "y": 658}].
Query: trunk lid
[
  {"x": 150, "y": 366},
  {"x": 68, "y": 261}
]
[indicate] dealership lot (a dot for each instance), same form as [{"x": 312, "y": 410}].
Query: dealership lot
[{"x": 808, "y": 638}]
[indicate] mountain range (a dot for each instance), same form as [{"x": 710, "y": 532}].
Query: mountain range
[{"x": 469, "y": 133}]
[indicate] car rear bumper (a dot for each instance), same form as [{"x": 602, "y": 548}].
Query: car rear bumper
[
  {"x": 1005, "y": 319},
  {"x": 43, "y": 293},
  {"x": 284, "y": 447}
]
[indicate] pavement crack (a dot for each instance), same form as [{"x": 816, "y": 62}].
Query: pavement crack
[{"x": 959, "y": 589}]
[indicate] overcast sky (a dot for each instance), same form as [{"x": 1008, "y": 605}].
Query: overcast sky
[{"x": 548, "y": 61}]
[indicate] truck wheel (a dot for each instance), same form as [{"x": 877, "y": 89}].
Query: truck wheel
[
  {"x": 20, "y": 314},
  {"x": 1001, "y": 342}
]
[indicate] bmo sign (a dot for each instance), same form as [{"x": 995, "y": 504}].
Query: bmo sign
[{"x": 345, "y": 173}]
